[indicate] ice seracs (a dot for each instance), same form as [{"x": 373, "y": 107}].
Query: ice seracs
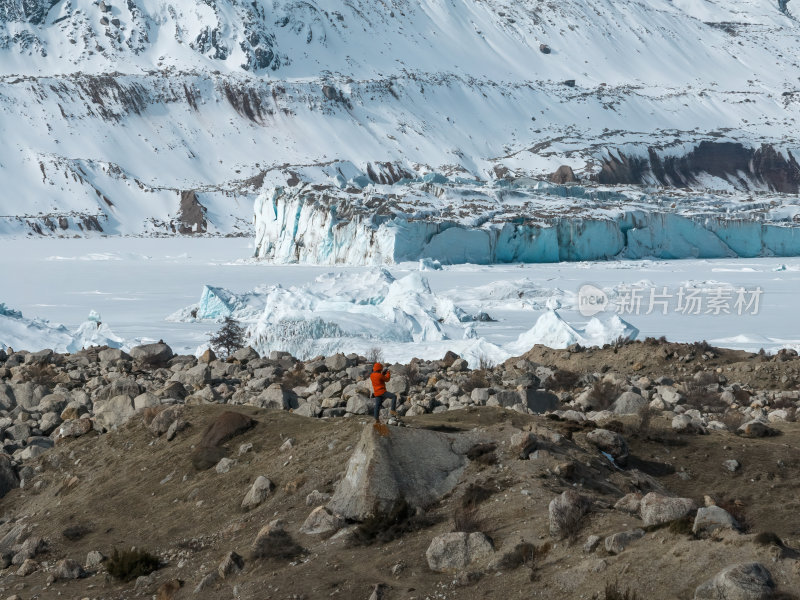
[{"x": 553, "y": 331}]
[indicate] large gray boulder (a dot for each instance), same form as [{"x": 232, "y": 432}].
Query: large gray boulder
[
  {"x": 538, "y": 401},
  {"x": 628, "y": 403},
  {"x": 711, "y": 518},
  {"x": 452, "y": 552},
  {"x": 28, "y": 395},
  {"x": 120, "y": 387},
  {"x": 112, "y": 355},
  {"x": 7, "y": 401},
  {"x": 152, "y": 354},
  {"x": 656, "y": 509},
  {"x": 113, "y": 412},
  {"x": 257, "y": 493},
  {"x": 748, "y": 581},
  {"x": 398, "y": 384},
  {"x": 274, "y": 397},
  {"x": 418, "y": 465}
]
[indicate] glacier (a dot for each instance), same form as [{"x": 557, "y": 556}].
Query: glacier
[{"x": 534, "y": 222}]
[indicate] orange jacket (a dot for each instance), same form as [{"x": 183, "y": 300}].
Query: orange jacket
[{"x": 379, "y": 379}]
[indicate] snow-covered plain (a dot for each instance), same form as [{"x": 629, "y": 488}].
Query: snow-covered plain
[{"x": 145, "y": 290}]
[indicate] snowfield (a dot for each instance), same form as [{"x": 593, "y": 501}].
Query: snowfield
[{"x": 179, "y": 290}]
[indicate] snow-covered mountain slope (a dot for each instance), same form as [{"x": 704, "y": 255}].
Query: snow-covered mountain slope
[{"x": 154, "y": 116}]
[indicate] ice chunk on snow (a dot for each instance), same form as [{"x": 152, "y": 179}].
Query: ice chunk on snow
[
  {"x": 323, "y": 315},
  {"x": 429, "y": 264},
  {"x": 95, "y": 333},
  {"x": 552, "y": 330},
  {"x": 22, "y": 333}
]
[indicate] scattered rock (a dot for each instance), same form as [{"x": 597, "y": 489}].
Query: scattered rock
[
  {"x": 321, "y": 522},
  {"x": 230, "y": 565},
  {"x": 731, "y": 465},
  {"x": 67, "y": 568},
  {"x": 617, "y": 542},
  {"x": 151, "y": 354},
  {"x": 656, "y": 509},
  {"x": 711, "y": 518},
  {"x": 451, "y": 552},
  {"x": 756, "y": 429},
  {"x": 257, "y": 493},
  {"x": 748, "y": 581},
  {"x": 27, "y": 567}
]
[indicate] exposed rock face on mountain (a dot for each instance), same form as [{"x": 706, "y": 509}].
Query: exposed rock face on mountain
[
  {"x": 741, "y": 165},
  {"x": 114, "y": 112}
]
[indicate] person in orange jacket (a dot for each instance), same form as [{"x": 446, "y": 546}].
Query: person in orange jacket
[{"x": 379, "y": 378}]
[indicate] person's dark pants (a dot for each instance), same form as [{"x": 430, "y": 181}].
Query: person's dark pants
[{"x": 379, "y": 403}]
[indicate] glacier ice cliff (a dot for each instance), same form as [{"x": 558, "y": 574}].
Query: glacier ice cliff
[{"x": 456, "y": 222}]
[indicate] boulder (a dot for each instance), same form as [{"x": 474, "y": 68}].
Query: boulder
[
  {"x": 656, "y": 509},
  {"x": 321, "y": 521},
  {"x": 67, "y": 568},
  {"x": 113, "y": 412},
  {"x": 165, "y": 418},
  {"x": 628, "y": 403},
  {"x": 610, "y": 442},
  {"x": 398, "y": 384},
  {"x": 274, "y": 397},
  {"x": 152, "y": 354},
  {"x": 417, "y": 465},
  {"x": 617, "y": 542},
  {"x": 226, "y": 426},
  {"x": 452, "y": 552},
  {"x": 337, "y": 362},
  {"x": 126, "y": 386},
  {"x": 72, "y": 429},
  {"x": 358, "y": 405},
  {"x": 257, "y": 493},
  {"x": 756, "y": 429},
  {"x": 230, "y": 565},
  {"x": 538, "y": 401},
  {"x": 629, "y": 503},
  {"x": 8, "y": 476},
  {"x": 711, "y": 518},
  {"x": 748, "y": 581},
  {"x": 245, "y": 354},
  {"x": 145, "y": 400},
  {"x": 112, "y": 355},
  {"x": 207, "y": 357}
]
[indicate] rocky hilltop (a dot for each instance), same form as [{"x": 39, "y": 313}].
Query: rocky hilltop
[
  {"x": 151, "y": 117},
  {"x": 654, "y": 469}
]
